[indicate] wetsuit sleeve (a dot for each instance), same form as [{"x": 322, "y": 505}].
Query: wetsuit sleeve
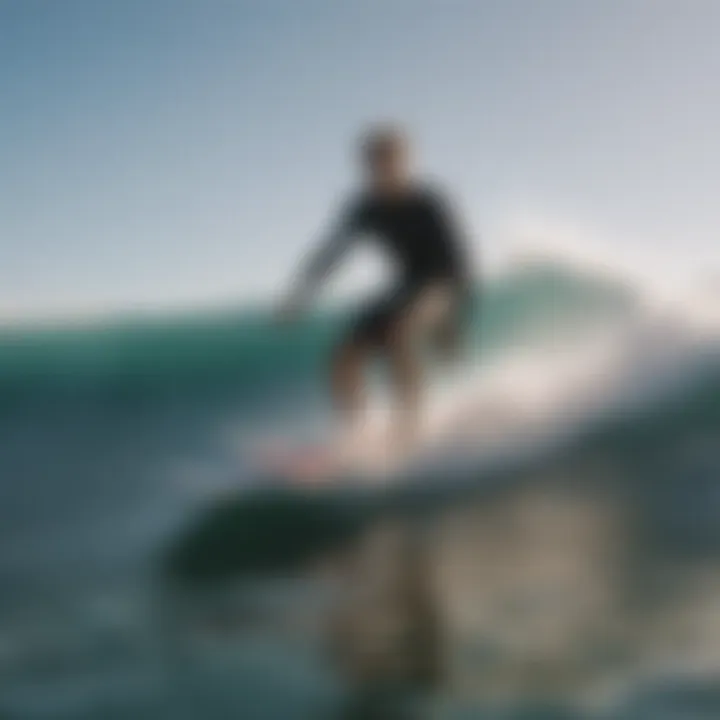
[
  {"x": 337, "y": 242},
  {"x": 450, "y": 230},
  {"x": 462, "y": 270}
]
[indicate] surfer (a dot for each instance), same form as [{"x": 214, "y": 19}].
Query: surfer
[{"x": 415, "y": 226}]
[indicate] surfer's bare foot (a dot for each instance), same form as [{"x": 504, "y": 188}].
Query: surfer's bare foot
[
  {"x": 401, "y": 440},
  {"x": 350, "y": 445}
]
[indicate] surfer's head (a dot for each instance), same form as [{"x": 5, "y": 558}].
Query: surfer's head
[{"x": 385, "y": 157}]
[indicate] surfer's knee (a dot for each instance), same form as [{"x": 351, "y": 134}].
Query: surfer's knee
[
  {"x": 347, "y": 358},
  {"x": 347, "y": 367},
  {"x": 405, "y": 365},
  {"x": 347, "y": 377}
]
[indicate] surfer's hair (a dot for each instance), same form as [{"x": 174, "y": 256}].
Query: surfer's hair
[{"x": 382, "y": 140}]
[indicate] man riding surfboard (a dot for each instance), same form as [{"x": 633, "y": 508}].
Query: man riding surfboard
[{"x": 419, "y": 232}]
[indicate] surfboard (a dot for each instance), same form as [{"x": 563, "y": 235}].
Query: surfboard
[
  {"x": 370, "y": 454},
  {"x": 302, "y": 463},
  {"x": 366, "y": 453},
  {"x": 477, "y": 414}
]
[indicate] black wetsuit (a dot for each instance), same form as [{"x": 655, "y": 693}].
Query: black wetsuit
[{"x": 419, "y": 233}]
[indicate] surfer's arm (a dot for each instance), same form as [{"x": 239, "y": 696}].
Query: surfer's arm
[
  {"x": 320, "y": 264},
  {"x": 451, "y": 230}
]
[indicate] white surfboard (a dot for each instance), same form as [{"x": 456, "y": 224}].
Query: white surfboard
[{"x": 371, "y": 454}]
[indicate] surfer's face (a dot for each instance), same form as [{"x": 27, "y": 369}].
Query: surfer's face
[{"x": 387, "y": 164}]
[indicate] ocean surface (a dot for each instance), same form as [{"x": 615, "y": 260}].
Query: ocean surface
[{"x": 115, "y": 435}]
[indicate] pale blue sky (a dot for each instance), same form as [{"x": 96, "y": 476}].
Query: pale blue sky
[{"x": 162, "y": 152}]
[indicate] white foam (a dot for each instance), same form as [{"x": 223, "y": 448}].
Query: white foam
[{"x": 533, "y": 397}]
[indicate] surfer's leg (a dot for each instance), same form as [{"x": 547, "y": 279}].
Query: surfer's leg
[
  {"x": 406, "y": 375},
  {"x": 388, "y": 327},
  {"x": 366, "y": 335},
  {"x": 348, "y": 394},
  {"x": 347, "y": 378},
  {"x": 420, "y": 312}
]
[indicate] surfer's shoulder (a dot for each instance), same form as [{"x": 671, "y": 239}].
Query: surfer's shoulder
[
  {"x": 354, "y": 203},
  {"x": 432, "y": 193},
  {"x": 356, "y": 209}
]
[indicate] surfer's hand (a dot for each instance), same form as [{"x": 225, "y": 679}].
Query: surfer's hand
[{"x": 288, "y": 312}]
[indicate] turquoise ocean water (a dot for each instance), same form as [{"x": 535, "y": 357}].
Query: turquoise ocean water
[{"x": 114, "y": 434}]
